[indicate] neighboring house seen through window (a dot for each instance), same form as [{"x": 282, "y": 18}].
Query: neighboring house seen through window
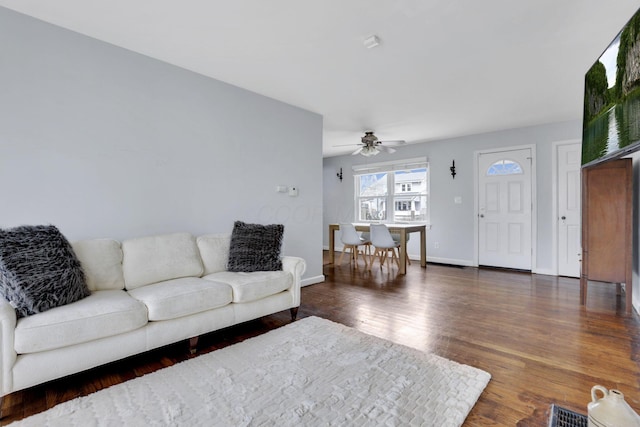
[{"x": 403, "y": 186}]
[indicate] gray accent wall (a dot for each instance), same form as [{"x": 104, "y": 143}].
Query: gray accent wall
[
  {"x": 452, "y": 225},
  {"x": 104, "y": 142}
]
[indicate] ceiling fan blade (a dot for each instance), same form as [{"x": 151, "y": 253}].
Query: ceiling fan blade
[
  {"x": 357, "y": 151},
  {"x": 394, "y": 142},
  {"x": 345, "y": 145}
]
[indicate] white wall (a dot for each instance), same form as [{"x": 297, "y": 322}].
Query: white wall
[
  {"x": 453, "y": 224},
  {"x": 104, "y": 142}
]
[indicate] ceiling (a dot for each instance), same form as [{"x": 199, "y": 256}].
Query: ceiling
[{"x": 444, "y": 68}]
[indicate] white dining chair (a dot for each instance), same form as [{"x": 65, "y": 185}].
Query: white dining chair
[
  {"x": 352, "y": 241},
  {"x": 385, "y": 247},
  {"x": 396, "y": 237}
]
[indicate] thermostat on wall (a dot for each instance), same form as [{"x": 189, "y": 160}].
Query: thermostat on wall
[{"x": 293, "y": 191}]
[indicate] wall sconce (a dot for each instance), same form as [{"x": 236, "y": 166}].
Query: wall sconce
[
  {"x": 453, "y": 169},
  {"x": 339, "y": 175}
]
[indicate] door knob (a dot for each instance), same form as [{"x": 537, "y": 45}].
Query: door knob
[
  {"x": 563, "y": 217},
  {"x": 481, "y": 215}
]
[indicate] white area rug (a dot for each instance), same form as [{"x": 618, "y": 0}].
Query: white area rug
[{"x": 311, "y": 372}]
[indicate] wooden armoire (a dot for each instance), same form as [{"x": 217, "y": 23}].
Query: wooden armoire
[{"x": 607, "y": 215}]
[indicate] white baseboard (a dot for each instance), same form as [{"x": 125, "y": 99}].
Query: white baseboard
[
  {"x": 544, "y": 271},
  {"x": 312, "y": 280},
  {"x": 462, "y": 262},
  {"x": 452, "y": 261}
]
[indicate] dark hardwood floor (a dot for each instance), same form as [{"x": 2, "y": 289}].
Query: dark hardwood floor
[{"x": 528, "y": 331}]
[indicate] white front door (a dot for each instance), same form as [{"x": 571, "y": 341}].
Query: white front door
[
  {"x": 569, "y": 209},
  {"x": 505, "y": 209}
]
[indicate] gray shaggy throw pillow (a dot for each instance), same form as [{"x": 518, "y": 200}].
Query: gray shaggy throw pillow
[
  {"x": 255, "y": 247},
  {"x": 38, "y": 269}
]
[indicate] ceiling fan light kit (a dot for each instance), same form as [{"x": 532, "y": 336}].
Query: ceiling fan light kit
[{"x": 369, "y": 150}]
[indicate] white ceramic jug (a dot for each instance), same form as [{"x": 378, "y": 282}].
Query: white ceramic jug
[{"x": 610, "y": 410}]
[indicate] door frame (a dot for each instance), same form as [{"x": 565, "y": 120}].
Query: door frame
[
  {"x": 555, "y": 206},
  {"x": 534, "y": 203}
]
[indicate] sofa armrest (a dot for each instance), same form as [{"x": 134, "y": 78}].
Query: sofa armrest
[
  {"x": 296, "y": 266},
  {"x": 8, "y": 355}
]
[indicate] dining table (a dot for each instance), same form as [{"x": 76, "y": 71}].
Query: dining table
[{"x": 403, "y": 230}]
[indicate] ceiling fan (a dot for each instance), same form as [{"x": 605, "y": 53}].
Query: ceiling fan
[{"x": 370, "y": 145}]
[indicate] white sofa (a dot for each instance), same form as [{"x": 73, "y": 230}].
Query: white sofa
[{"x": 145, "y": 293}]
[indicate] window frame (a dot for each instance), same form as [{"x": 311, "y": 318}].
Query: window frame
[{"x": 392, "y": 196}]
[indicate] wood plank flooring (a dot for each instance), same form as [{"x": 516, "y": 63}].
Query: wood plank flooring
[{"x": 528, "y": 331}]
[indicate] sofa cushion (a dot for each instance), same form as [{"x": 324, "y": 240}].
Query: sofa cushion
[
  {"x": 101, "y": 261},
  {"x": 255, "y": 285},
  {"x": 180, "y": 297},
  {"x": 154, "y": 259},
  {"x": 255, "y": 247},
  {"x": 214, "y": 251},
  {"x": 102, "y": 314},
  {"x": 38, "y": 269}
]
